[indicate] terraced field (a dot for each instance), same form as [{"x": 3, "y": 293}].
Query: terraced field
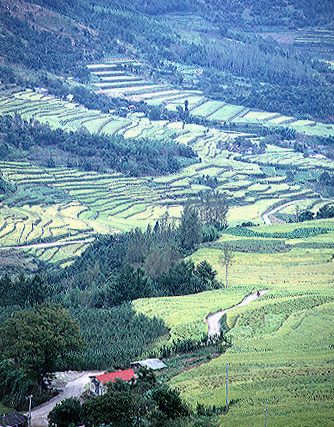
[
  {"x": 62, "y": 203},
  {"x": 282, "y": 343},
  {"x": 127, "y": 79},
  {"x": 89, "y": 202}
]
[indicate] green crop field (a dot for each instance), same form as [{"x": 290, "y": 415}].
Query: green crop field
[{"x": 281, "y": 353}]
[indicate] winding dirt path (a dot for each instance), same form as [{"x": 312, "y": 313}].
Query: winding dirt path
[
  {"x": 265, "y": 216},
  {"x": 213, "y": 320}
]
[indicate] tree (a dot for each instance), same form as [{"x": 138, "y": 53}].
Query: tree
[
  {"x": 130, "y": 284},
  {"x": 35, "y": 339},
  {"x": 213, "y": 208},
  {"x": 118, "y": 407},
  {"x": 326, "y": 211},
  {"x": 226, "y": 259},
  {"x": 205, "y": 272},
  {"x": 305, "y": 216},
  {"x": 190, "y": 228},
  {"x": 169, "y": 402},
  {"x": 66, "y": 413}
]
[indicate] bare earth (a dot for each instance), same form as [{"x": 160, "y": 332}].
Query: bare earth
[
  {"x": 213, "y": 320},
  {"x": 74, "y": 388}
]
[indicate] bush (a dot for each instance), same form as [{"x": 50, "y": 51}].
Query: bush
[{"x": 66, "y": 413}]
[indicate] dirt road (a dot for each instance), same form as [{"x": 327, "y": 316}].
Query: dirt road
[
  {"x": 48, "y": 244},
  {"x": 74, "y": 388},
  {"x": 213, "y": 320},
  {"x": 265, "y": 216}
]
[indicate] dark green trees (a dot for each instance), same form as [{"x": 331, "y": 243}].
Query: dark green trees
[
  {"x": 226, "y": 259},
  {"x": 123, "y": 405},
  {"x": 66, "y": 413},
  {"x": 22, "y": 291},
  {"x": 35, "y": 339},
  {"x": 190, "y": 228}
]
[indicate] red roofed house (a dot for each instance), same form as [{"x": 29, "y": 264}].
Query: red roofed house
[{"x": 98, "y": 382}]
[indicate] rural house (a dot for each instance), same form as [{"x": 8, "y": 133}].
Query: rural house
[
  {"x": 14, "y": 420},
  {"x": 98, "y": 382},
  {"x": 153, "y": 364}
]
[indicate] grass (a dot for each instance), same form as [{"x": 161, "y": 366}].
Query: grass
[
  {"x": 282, "y": 343},
  {"x": 288, "y": 370}
]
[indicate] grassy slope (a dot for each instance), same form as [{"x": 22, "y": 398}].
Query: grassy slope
[{"x": 282, "y": 343}]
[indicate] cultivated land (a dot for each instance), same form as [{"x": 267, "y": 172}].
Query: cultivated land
[{"x": 282, "y": 353}]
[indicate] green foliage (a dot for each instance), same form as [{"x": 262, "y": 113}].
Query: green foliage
[
  {"x": 5, "y": 186},
  {"x": 226, "y": 259},
  {"x": 35, "y": 339},
  {"x": 169, "y": 402},
  {"x": 255, "y": 245},
  {"x": 190, "y": 228},
  {"x": 132, "y": 157},
  {"x": 177, "y": 347},
  {"x": 23, "y": 291},
  {"x": 212, "y": 208},
  {"x": 66, "y": 413},
  {"x": 119, "y": 408},
  {"x": 205, "y": 271},
  {"x": 305, "y": 216},
  {"x": 183, "y": 279},
  {"x": 326, "y": 211},
  {"x": 104, "y": 257},
  {"x": 156, "y": 249},
  {"x": 297, "y": 233},
  {"x": 209, "y": 233},
  {"x": 128, "y": 285},
  {"x": 115, "y": 336},
  {"x": 25, "y": 45},
  {"x": 138, "y": 404},
  {"x": 15, "y": 384}
]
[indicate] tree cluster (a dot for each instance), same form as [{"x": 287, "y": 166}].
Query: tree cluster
[
  {"x": 139, "y": 403},
  {"x": 326, "y": 211},
  {"x": 142, "y": 264},
  {"x": 22, "y": 291},
  {"x": 134, "y": 157},
  {"x": 31, "y": 342}
]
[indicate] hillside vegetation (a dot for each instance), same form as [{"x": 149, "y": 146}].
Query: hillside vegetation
[{"x": 159, "y": 162}]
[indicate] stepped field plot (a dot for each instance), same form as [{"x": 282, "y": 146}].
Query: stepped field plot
[
  {"x": 107, "y": 203},
  {"x": 278, "y": 156},
  {"x": 207, "y": 108},
  {"x": 281, "y": 343},
  {"x": 117, "y": 78},
  {"x": 59, "y": 113}
]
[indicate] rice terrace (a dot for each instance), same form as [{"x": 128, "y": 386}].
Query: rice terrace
[{"x": 178, "y": 167}]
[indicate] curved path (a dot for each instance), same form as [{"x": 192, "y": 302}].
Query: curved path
[
  {"x": 265, "y": 216},
  {"x": 213, "y": 320},
  {"x": 74, "y": 388},
  {"x": 48, "y": 244}
]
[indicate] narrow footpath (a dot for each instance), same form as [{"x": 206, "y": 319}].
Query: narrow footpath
[{"x": 213, "y": 320}]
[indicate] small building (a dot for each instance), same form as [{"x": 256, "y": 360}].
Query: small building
[
  {"x": 41, "y": 90},
  {"x": 98, "y": 383},
  {"x": 153, "y": 364},
  {"x": 14, "y": 420}
]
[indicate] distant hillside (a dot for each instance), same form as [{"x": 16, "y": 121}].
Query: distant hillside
[
  {"x": 237, "y": 45},
  {"x": 265, "y": 12}
]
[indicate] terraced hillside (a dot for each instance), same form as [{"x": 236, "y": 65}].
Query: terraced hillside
[
  {"x": 125, "y": 78},
  {"x": 92, "y": 202},
  {"x": 281, "y": 343}
]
